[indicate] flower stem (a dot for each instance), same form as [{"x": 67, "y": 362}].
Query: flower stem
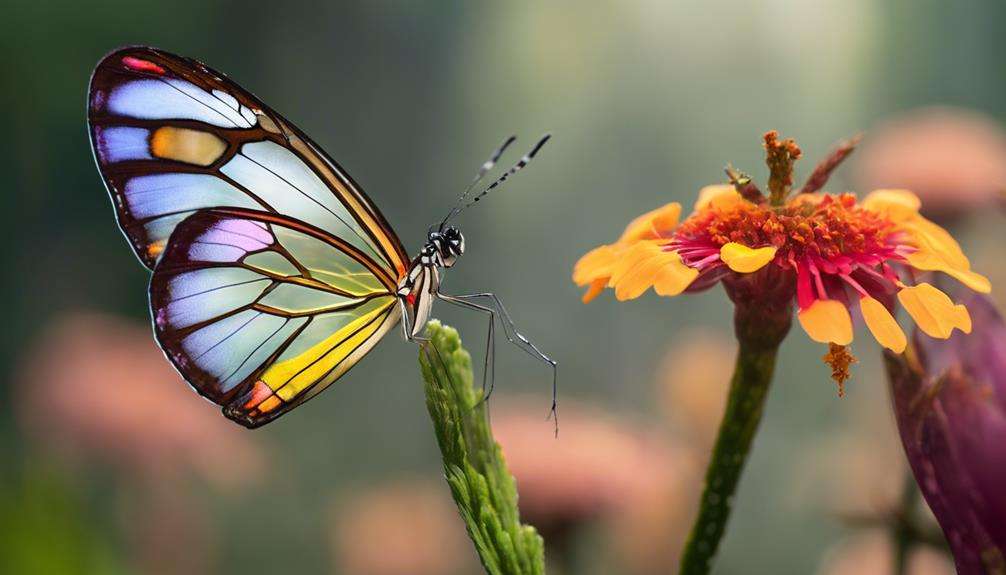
[
  {"x": 482, "y": 486},
  {"x": 748, "y": 390},
  {"x": 760, "y": 327}
]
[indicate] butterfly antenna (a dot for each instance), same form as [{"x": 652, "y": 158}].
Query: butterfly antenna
[
  {"x": 516, "y": 168},
  {"x": 483, "y": 170}
]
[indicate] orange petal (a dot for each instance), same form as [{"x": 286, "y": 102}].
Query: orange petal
[
  {"x": 718, "y": 196},
  {"x": 882, "y": 325},
  {"x": 639, "y": 278},
  {"x": 899, "y": 205},
  {"x": 933, "y": 311},
  {"x": 827, "y": 321},
  {"x": 654, "y": 224},
  {"x": 743, "y": 259},
  {"x": 932, "y": 238},
  {"x": 931, "y": 261},
  {"x": 674, "y": 277},
  {"x": 631, "y": 257},
  {"x": 594, "y": 264},
  {"x": 596, "y": 287}
]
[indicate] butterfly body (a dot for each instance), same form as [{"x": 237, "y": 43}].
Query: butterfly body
[{"x": 273, "y": 273}]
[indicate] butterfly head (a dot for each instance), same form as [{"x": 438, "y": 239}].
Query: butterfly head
[
  {"x": 445, "y": 245},
  {"x": 450, "y": 244}
]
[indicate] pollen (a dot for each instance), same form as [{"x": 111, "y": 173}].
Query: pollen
[{"x": 839, "y": 358}]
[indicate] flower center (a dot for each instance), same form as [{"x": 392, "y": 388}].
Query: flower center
[{"x": 824, "y": 227}]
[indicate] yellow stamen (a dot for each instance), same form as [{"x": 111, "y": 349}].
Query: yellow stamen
[
  {"x": 933, "y": 311},
  {"x": 743, "y": 259},
  {"x": 827, "y": 321},
  {"x": 882, "y": 325}
]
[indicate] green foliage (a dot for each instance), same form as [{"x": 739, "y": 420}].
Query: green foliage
[
  {"x": 44, "y": 528},
  {"x": 476, "y": 471}
]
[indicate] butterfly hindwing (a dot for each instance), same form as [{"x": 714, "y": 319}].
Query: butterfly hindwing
[
  {"x": 260, "y": 312},
  {"x": 172, "y": 136}
]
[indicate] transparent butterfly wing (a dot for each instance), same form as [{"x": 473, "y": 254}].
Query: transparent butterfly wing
[
  {"x": 172, "y": 136},
  {"x": 261, "y": 312}
]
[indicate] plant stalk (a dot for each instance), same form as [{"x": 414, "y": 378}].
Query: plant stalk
[
  {"x": 760, "y": 327},
  {"x": 748, "y": 390},
  {"x": 481, "y": 485}
]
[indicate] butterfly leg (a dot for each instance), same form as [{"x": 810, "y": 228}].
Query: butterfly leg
[
  {"x": 489, "y": 369},
  {"x": 512, "y": 335},
  {"x": 425, "y": 344}
]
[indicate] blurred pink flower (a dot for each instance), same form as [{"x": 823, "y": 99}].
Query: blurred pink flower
[
  {"x": 950, "y": 402},
  {"x": 409, "y": 527},
  {"x": 634, "y": 480},
  {"x": 953, "y": 158},
  {"x": 871, "y": 553},
  {"x": 597, "y": 465},
  {"x": 97, "y": 387}
]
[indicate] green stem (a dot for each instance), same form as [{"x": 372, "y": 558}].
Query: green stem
[
  {"x": 748, "y": 390},
  {"x": 762, "y": 317},
  {"x": 482, "y": 486}
]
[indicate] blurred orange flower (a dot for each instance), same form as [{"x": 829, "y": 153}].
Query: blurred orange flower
[
  {"x": 409, "y": 527},
  {"x": 693, "y": 382},
  {"x": 953, "y": 158}
]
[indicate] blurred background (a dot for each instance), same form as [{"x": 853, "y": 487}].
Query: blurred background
[{"x": 111, "y": 465}]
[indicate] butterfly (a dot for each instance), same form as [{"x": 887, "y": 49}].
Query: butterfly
[{"x": 273, "y": 273}]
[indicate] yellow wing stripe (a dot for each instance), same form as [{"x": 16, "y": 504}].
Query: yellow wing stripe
[{"x": 290, "y": 377}]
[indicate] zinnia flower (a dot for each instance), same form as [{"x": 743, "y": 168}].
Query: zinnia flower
[
  {"x": 950, "y": 403},
  {"x": 830, "y": 253}
]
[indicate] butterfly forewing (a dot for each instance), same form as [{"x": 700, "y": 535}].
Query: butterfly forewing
[
  {"x": 172, "y": 136},
  {"x": 262, "y": 312}
]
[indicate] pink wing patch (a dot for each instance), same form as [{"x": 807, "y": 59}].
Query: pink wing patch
[{"x": 140, "y": 65}]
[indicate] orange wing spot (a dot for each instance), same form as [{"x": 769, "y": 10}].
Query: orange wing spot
[
  {"x": 155, "y": 249},
  {"x": 142, "y": 65},
  {"x": 269, "y": 404},
  {"x": 259, "y": 394},
  {"x": 185, "y": 145}
]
